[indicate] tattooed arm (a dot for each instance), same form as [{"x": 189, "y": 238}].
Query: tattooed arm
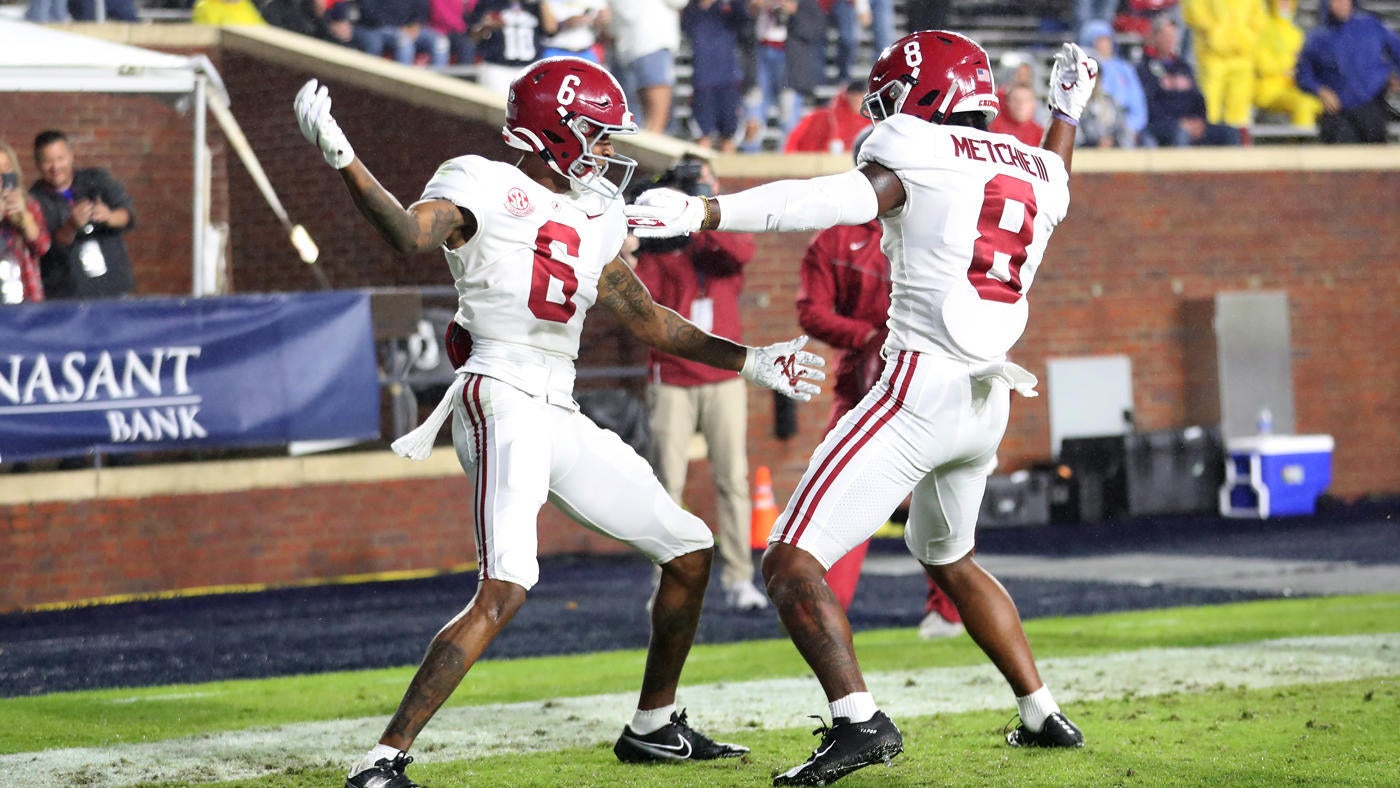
[
  {"x": 628, "y": 299},
  {"x": 422, "y": 227},
  {"x": 784, "y": 367}
]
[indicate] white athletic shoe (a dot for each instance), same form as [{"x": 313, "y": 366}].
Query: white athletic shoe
[
  {"x": 935, "y": 626},
  {"x": 744, "y": 596}
]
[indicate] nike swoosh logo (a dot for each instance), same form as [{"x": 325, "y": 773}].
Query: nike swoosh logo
[
  {"x": 801, "y": 767},
  {"x": 855, "y": 247},
  {"x": 679, "y": 751}
]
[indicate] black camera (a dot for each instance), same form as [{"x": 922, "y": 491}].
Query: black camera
[
  {"x": 685, "y": 177},
  {"x": 10, "y": 180}
]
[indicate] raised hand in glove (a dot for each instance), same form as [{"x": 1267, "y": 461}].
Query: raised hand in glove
[
  {"x": 313, "y": 109},
  {"x": 665, "y": 213},
  {"x": 786, "y": 368},
  {"x": 1072, "y": 81}
]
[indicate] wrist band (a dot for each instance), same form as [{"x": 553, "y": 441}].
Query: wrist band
[
  {"x": 1054, "y": 113},
  {"x": 704, "y": 222}
]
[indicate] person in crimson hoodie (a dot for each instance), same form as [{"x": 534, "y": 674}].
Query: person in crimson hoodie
[
  {"x": 843, "y": 300},
  {"x": 833, "y": 128},
  {"x": 702, "y": 277},
  {"x": 1018, "y": 116}
]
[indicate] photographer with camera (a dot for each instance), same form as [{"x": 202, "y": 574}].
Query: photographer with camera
[
  {"x": 86, "y": 211},
  {"x": 701, "y": 276},
  {"x": 23, "y": 236}
]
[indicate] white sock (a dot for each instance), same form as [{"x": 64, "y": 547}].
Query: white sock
[
  {"x": 380, "y": 751},
  {"x": 1035, "y": 707},
  {"x": 644, "y": 722},
  {"x": 857, "y": 707}
]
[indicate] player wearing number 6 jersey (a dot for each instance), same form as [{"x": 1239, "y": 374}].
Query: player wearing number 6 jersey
[
  {"x": 966, "y": 217},
  {"x": 532, "y": 246}
]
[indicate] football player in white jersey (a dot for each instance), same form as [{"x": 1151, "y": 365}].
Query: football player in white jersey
[
  {"x": 532, "y": 245},
  {"x": 966, "y": 217}
]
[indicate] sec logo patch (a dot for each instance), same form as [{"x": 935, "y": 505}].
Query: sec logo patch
[{"x": 518, "y": 203}]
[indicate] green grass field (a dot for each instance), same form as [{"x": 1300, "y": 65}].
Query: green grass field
[{"x": 1303, "y": 691}]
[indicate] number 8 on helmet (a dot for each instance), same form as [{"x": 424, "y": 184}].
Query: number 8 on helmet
[{"x": 931, "y": 74}]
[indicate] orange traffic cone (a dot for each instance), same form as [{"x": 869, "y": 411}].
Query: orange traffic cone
[{"x": 765, "y": 509}]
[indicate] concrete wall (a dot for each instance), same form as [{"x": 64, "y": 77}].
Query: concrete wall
[{"x": 1148, "y": 234}]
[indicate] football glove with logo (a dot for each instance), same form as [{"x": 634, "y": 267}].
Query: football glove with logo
[
  {"x": 1072, "y": 81},
  {"x": 665, "y": 213},
  {"x": 786, "y": 368},
  {"x": 313, "y": 108}
]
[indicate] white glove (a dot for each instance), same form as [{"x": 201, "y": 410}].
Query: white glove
[
  {"x": 785, "y": 368},
  {"x": 665, "y": 213},
  {"x": 1017, "y": 378},
  {"x": 313, "y": 108},
  {"x": 1072, "y": 80}
]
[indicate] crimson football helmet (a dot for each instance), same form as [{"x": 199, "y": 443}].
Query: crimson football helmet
[
  {"x": 560, "y": 108},
  {"x": 931, "y": 74}
]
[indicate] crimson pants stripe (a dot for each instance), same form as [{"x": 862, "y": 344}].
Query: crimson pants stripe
[
  {"x": 472, "y": 399},
  {"x": 840, "y": 455}
]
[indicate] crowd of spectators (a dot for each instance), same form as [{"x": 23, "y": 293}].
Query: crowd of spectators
[
  {"x": 769, "y": 74},
  {"x": 1210, "y": 72}
]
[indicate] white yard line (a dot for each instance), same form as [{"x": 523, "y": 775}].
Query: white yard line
[
  {"x": 462, "y": 732},
  {"x": 1187, "y": 571}
]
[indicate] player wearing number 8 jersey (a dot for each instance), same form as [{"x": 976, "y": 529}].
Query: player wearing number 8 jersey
[
  {"x": 965, "y": 245},
  {"x": 966, "y": 215},
  {"x": 532, "y": 246}
]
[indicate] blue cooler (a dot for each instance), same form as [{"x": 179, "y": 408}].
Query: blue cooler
[{"x": 1275, "y": 475}]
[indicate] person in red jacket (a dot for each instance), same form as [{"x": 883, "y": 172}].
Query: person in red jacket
[
  {"x": 1018, "y": 116},
  {"x": 702, "y": 277},
  {"x": 843, "y": 300},
  {"x": 832, "y": 128}
]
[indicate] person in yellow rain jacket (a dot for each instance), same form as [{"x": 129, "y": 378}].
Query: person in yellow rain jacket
[
  {"x": 226, "y": 12},
  {"x": 1226, "y": 33},
  {"x": 1280, "y": 40}
]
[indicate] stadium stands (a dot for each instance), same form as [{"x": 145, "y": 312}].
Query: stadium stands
[{"x": 1001, "y": 27}]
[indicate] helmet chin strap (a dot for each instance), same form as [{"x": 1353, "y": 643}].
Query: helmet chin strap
[{"x": 942, "y": 114}]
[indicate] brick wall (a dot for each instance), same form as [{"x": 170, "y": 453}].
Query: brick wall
[
  {"x": 1137, "y": 247},
  {"x": 68, "y": 550}
]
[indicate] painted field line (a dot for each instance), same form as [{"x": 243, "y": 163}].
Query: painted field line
[
  {"x": 462, "y": 732},
  {"x": 1185, "y": 571}
]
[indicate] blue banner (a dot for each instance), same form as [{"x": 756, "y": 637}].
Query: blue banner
[{"x": 173, "y": 374}]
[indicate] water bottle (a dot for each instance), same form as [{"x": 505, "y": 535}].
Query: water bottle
[{"x": 1266, "y": 421}]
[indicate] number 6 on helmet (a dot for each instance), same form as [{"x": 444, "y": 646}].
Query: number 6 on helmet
[{"x": 561, "y": 108}]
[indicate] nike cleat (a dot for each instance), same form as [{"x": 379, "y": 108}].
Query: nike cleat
[
  {"x": 1057, "y": 731},
  {"x": 846, "y": 746},
  {"x": 674, "y": 741},
  {"x": 384, "y": 774}
]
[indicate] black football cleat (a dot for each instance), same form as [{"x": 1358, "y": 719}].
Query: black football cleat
[
  {"x": 846, "y": 746},
  {"x": 1058, "y": 731},
  {"x": 674, "y": 741},
  {"x": 384, "y": 774}
]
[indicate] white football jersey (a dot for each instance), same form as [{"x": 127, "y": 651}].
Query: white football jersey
[
  {"x": 964, "y": 248},
  {"x": 528, "y": 276}
]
